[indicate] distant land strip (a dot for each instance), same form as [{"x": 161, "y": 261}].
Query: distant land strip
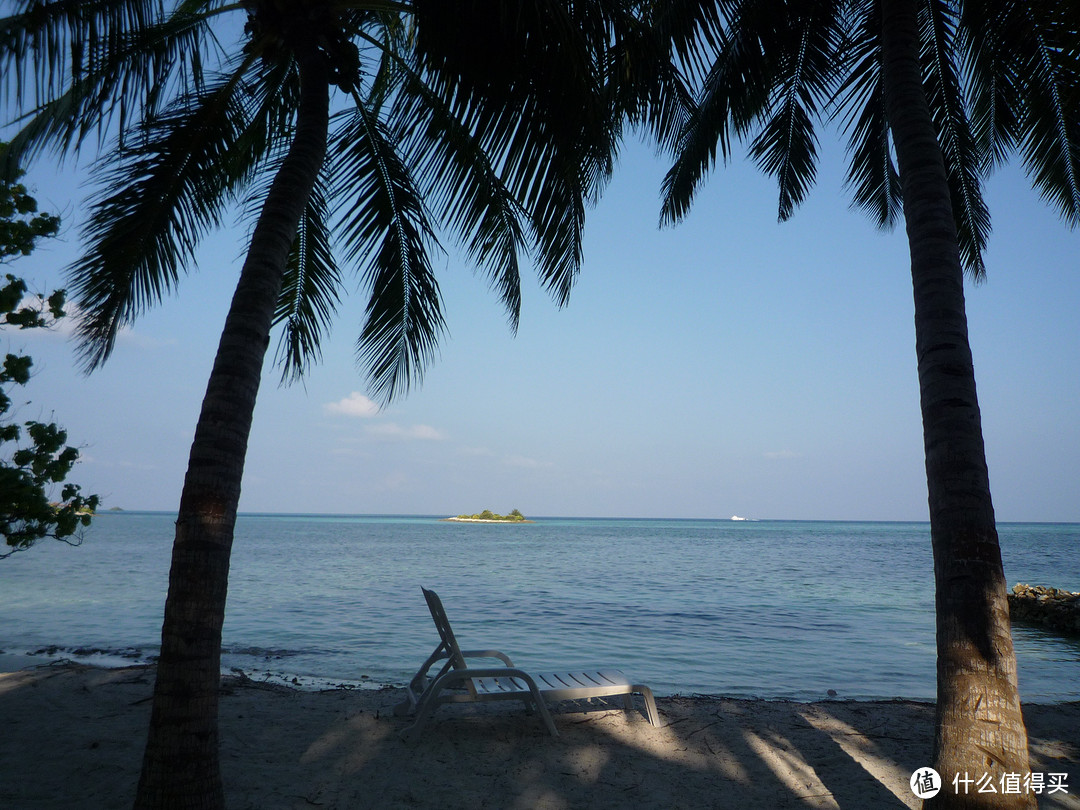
[
  {"x": 483, "y": 520},
  {"x": 487, "y": 516}
]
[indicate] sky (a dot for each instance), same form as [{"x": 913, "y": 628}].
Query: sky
[{"x": 731, "y": 365}]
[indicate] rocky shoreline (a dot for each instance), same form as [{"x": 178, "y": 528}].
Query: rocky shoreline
[{"x": 1051, "y": 608}]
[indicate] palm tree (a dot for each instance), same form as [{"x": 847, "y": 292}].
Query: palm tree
[
  {"x": 357, "y": 131},
  {"x": 930, "y": 95}
]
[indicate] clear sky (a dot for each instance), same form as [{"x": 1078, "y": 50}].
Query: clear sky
[{"x": 730, "y": 365}]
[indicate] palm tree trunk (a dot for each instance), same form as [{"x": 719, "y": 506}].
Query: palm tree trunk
[
  {"x": 181, "y": 766},
  {"x": 979, "y": 727}
]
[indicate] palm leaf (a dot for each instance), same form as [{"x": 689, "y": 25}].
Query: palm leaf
[
  {"x": 994, "y": 81},
  {"x": 385, "y": 229},
  {"x": 309, "y": 295},
  {"x": 734, "y": 93},
  {"x": 84, "y": 81},
  {"x": 456, "y": 176},
  {"x": 1025, "y": 66},
  {"x": 860, "y": 102},
  {"x": 1051, "y": 126},
  {"x": 694, "y": 29},
  {"x": 802, "y": 51},
  {"x": 639, "y": 69},
  {"x": 570, "y": 181},
  {"x": 527, "y": 77},
  {"x": 964, "y": 161},
  {"x": 161, "y": 198}
]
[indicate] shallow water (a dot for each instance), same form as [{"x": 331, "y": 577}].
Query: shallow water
[{"x": 768, "y": 609}]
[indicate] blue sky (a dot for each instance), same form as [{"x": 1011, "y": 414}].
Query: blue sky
[{"x": 730, "y": 365}]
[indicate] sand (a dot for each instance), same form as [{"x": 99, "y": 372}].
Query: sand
[{"x": 71, "y": 736}]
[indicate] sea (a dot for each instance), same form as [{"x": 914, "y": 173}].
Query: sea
[{"x": 768, "y": 609}]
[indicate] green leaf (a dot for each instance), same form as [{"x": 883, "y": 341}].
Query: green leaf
[
  {"x": 385, "y": 231},
  {"x": 309, "y": 295},
  {"x": 159, "y": 199}
]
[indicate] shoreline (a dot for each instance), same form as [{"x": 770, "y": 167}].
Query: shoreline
[
  {"x": 482, "y": 520},
  {"x": 343, "y": 750},
  {"x": 13, "y": 662},
  {"x": 16, "y": 662}
]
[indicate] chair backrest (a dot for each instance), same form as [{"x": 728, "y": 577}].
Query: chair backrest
[{"x": 446, "y": 633}]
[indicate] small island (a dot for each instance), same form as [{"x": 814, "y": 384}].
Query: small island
[{"x": 487, "y": 516}]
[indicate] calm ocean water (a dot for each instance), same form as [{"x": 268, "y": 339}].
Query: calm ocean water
[{"x": 769, "y": 609}]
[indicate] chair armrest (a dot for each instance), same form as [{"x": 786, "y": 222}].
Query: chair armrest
[
  {"x": 419, "y": 680},
  {"x": 488, "y": 654}
]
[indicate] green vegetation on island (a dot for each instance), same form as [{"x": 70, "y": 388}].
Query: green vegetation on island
[{"x": 515, "y": 516}]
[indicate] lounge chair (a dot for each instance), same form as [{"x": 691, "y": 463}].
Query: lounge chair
[{"x": 457, "y": 682}]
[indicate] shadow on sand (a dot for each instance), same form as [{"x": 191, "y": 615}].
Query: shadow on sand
[{"x": 73, "y": 737}]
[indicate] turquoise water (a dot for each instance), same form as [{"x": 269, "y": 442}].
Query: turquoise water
[{"x": 771, "y": 609}]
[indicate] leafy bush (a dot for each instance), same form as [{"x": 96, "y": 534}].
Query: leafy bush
[{"x": 31, "y": 470}]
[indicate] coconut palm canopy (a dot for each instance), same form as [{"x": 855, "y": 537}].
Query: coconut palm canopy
[
  {"x": 195, "y": 103},
  {"x": 1000, "y": 79}
]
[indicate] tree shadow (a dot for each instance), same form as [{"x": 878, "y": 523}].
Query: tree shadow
[
  {"x": 73, "y": 737},
  {"x": 706, "y": 754}
]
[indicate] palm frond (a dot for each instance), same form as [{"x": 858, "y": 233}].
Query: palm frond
[
  {"x": 271, "y": 103},
  {"x": 309, "y": 295},
  {"x": 802, "y": 51},
  {"x": 666, "y": 109},
  {"x": 694, "y": 28},
  {"x": 640, "y": 75},
  {"x": 706, "y": 132},
  {"x": 270, "y": 99},
  {"x": 994, "y": 84},
  {"x": 556, "y": 193},
  {"x": 383, "y": 40},
  {"x": 94, "y": 67},
  {"x": 385, "y": 229},
  {"x": 965, "y": 163},
  {"x": 43, "y": 45},
  {"x": 1051, "y": 126},
  {"x": 161, "y": 198},
  {"x": 456, "y": 176},
  {"x": 1024, "y": 59},
  {"x": 734, "y": 94},
  {"x": 528, "y": 78},
  {"x": 860, "y": 102}
]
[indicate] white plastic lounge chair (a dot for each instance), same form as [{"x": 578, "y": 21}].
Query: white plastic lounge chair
[{"x": 456, "y": 682}]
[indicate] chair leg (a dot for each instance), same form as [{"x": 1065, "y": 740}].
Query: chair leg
[
  {"x": 413, "y": 732},
  {"x": 536, "y": 699},
  {"x": 546, "y": 714},
  {"x": 650, "y": 704},
  {"x": 423, "y": 709},
  {"x": 407, "y": 706}
]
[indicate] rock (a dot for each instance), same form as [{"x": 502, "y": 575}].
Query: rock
[{"x": 1052, "y": 608}]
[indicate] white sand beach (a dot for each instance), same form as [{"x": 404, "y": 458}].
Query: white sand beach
[
  {"x": 460, "y": 519},
  {"x": 73, "y": 737}
]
